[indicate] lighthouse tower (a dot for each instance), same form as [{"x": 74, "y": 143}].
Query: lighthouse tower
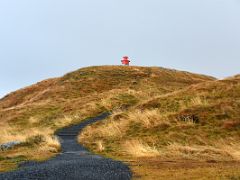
[{"x": 125, "y": 61}]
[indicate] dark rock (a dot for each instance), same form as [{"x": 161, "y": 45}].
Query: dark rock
[{"x": 9, "y": 145}]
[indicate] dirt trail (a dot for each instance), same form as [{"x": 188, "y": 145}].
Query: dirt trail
[{"x": 74, "y": 163}]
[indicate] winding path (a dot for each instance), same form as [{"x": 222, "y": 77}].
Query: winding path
[{"x": 74, "y": 163}]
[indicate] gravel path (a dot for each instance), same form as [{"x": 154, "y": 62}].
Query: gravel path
[{"x": 74, "y": 163}]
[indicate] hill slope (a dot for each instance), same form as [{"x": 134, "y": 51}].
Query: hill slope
[
  {"x": 199, "y": 123},
  {"x": 32, "y": 115}
]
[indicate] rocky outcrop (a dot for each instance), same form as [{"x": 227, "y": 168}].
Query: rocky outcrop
[{"x": 9, "y": 145}]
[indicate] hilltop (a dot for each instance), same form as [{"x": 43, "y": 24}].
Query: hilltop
[{"x": 158, "y": 115}]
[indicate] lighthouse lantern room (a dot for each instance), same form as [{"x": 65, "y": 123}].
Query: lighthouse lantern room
[{"x": 125, "y": 61}]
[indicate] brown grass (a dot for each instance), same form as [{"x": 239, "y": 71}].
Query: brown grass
[
  {"x": 219, "y": 151},
  {"x": 136, "y": 148},
  {"x": 39, "y": 110},
  {"x": 149, "y": 118},
  {"x": 152, "y": 169},
  {"x": 199, "y": 124}
]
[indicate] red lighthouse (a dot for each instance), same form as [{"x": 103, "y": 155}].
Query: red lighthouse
[{"x": 125, "y": 61}]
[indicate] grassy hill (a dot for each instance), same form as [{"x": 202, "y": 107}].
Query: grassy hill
[
  {"x": 158, "y": 113},
  {"x": 194, "y": 125}
]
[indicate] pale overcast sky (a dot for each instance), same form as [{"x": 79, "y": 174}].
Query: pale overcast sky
[{"x": 47, "y": 38}]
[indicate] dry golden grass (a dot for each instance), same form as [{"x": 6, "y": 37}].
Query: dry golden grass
[
  {"x": 194, "y": 101},
  {"x": 112, "y": 129},
  {"x": 100, "y": 146},
  {"x": 136, "y": 148},
  {"x": 199, "y": 123},
  {"x": 220, "y": 152},
  {"x": 41, "y": 109},
  {"x": 152, "y": 169},
  {"x": 37, "y": 144},
  {"x": 9, "y": 134},
  {"x": 232, "y": 149},
  {"x": 149, "y": 118},
  {"x": 65, "y": 121}
]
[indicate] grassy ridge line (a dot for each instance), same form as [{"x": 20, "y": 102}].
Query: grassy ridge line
[{"x": 93, "y": 77}]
